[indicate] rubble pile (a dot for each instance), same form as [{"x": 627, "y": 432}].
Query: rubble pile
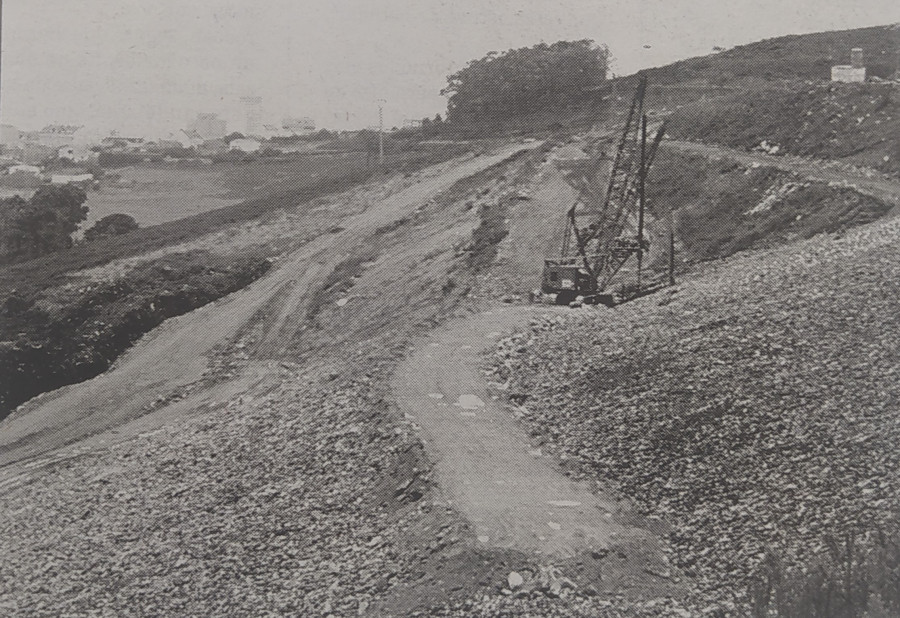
[
  {"x": 754, "y": 409},
  {"x": 288, "y": 502}
]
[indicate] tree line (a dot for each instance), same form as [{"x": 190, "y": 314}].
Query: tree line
[
  {"x": 526, "y": 80},
  {"x": 46, "y": 221}
]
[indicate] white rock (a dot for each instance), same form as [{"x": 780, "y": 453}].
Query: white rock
[{"x": 515, "y": 580}]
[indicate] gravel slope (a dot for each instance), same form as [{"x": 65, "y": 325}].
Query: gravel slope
[
  {"x": 246, "y": 512},
  {"x": 754, "y": 408}
]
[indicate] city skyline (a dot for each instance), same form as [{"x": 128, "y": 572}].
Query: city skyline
[{"x": 150, "y": 68}]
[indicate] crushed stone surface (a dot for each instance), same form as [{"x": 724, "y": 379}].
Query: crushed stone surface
[{"x": 753, "y": 408}]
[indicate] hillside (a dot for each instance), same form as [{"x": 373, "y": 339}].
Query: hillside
[
  {"x": 799, "y": 57},
  {"x": 722, "y": 207},
  {"x": 751, "y": 407},
  {"x": 855, "y": 123},
  {"x": 366, "y": 417}
]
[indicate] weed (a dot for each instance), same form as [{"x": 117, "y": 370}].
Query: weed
[{"x": 857, "y": 576}]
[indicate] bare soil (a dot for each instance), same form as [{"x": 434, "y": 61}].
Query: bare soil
[
  {"x": 177, "y": 355},
  {"x": 254, "y": 455}
]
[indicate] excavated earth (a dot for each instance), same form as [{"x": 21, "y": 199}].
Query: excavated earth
[
  {"x": 276, "y": 452},
  {"x": 754, "y": 407}
]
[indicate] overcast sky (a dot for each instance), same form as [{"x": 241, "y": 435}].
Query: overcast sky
[{"x": 147, "y": 65}]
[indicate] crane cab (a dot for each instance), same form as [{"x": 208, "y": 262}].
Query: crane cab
[{"x": 567, "y": 278}]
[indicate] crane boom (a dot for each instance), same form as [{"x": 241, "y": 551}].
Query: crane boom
[{"x": 600, "y": 250}]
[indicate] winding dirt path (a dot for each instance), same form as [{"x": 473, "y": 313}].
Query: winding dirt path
[
  {"x": 176, "y": 355},
  {"x": 515, "y": 496}
]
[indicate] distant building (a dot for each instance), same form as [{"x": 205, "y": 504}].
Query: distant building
[
  {"x": 189, "y": 138},
  {"x": 298, "y": 126},
  {"x": 163, "y": 145},
  {"x": 25, "y": 169},
  {"x": 244, "y": 145},
  {"x": 120, "y": 143},
  {"x": 9, "y": 135},
  {"x": 209, "y": 126},
  {"x": 855, "y": 72},
  {"x": 57, "y": 135},
  {"x": 78, "y": 153},
  {"x": 253, "y": 110},
  {"x": 64, "y": 179}
]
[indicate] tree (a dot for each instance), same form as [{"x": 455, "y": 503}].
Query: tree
[
  {"x": 525, "y": 80},
  {"x": 233, "y": 136},
  {"x": 111, "y": 225},
  {"x": 42, "y": 224},
  {"x": 322, "y": 135}
]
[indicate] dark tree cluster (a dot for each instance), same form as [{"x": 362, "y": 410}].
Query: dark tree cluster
[
  {"x": 40, "y": 225},
  {"x": 111, "y": 225},
  {"x": 526, "y": 80}
]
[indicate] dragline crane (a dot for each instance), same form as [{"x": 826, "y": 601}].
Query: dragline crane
[{"x": 595, "y": 246}]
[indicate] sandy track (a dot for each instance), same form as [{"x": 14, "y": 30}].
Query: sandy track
[
  {"x": 514, "y": 496},
  {"x": 176, "y": 355}
]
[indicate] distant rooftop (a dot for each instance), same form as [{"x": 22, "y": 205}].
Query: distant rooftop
[{"x": 61, "y": 129}]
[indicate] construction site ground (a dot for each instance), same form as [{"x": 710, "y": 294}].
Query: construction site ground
[{"x": 324, "y": 441}]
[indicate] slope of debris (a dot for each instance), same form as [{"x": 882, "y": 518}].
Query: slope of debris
[
  {"x": 722, "y": 207},
  {"x": 306, "y": 495},
  {"x": 289, "y": 501},
  {"x": 857, "y": 123},
  {"x": 308, "y": 498},
  {"x": 754, "y": 408}
]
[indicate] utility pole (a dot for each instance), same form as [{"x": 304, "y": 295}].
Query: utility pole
[
  {"x": 381, "y": 103},
  {"x": 641, "y": 196}
]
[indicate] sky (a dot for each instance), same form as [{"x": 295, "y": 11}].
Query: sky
[{"x": 147, "y": 67}]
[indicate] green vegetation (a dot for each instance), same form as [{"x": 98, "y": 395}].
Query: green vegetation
[
  {"x": 525, "y": 80},
  {"x": 111, "y": 225},
  {"x": 40, "y": 225},
  {"x": 62, "y": 336},
  {"x": 857, "y": 576},
  {"x": 793, "y": 57},
  {"x": 721, "y": 207}
]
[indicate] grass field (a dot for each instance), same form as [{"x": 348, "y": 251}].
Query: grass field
[
  {"x": 157, "y": 193},
  {"x": 160, "y": 193}
]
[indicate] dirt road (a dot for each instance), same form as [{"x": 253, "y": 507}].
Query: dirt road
[
  {"x": 513, "y": 494},
  {"x": 176, "y": 355},
  {"x": 827, "y": 171}
]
